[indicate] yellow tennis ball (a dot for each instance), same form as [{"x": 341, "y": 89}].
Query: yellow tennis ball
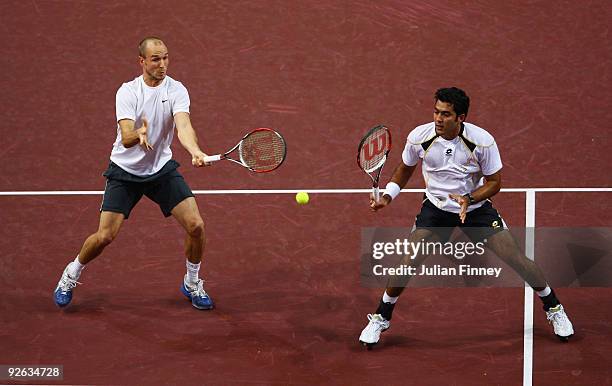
[{"x": 302, "y": 198}]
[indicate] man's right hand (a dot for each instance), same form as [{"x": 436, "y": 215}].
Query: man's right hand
[
  {"x": 383, "y": 201},
  {"x": 142, "y": 136}
]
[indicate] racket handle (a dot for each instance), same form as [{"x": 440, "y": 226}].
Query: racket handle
[
  {"x": 212, "y": 158},
  {"x": 376, "y": 192}
]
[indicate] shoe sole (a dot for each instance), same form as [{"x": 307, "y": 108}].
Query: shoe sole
[
  {"x": 203, "y": 308},
  {"x": 564, "y": 339}
]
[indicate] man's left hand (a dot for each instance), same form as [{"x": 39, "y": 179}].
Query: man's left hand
[{"x": 464, "y": 202}]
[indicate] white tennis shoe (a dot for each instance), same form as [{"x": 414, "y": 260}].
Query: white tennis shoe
[
  {"x": 560, "y": 322},
  {"x": 371, "y": 333}
]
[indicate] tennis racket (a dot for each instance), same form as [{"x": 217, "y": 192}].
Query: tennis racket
[
  {"x": 372, "y": 154},
  {"x": 261, "y": 151}
]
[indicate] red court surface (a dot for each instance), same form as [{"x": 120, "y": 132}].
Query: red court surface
[{"x": 290, "y": 305}]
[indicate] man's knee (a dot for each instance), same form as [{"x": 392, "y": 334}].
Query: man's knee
[
  {"x": 504, "y": 245},
  {"x": 506, "y": 248},
  {"x": 195, "y": 227},
  {"x": 106, "y": 236}
]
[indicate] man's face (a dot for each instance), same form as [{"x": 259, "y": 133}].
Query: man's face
[
  {"x": 155, "y": 64},
  {"x": 447, "y": 122}
]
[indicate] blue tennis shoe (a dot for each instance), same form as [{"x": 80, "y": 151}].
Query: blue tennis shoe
[
  {"x": 199, "y": 298},
  {"x": 63, "y": 291}
]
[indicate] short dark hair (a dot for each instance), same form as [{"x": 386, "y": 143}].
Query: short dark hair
[
  {"x": 142, "y": 46},
  {"x": 456, "y": 97}
]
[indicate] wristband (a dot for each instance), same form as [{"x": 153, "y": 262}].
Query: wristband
[{"x": 392, "y": 189}]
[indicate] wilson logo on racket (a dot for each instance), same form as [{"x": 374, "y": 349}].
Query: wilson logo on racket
[
  {"x": 375, "y": 146},
  {"x": 372, "y": 154}
]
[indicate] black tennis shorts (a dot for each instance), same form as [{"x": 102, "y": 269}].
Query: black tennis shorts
[
  {"x": 479, "y": 224},
  {"x": 123, "y": 190}
]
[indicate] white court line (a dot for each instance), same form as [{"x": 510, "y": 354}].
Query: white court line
[
  {"x": 285, "y": 191},
  {"x": 530, "y": 213}
]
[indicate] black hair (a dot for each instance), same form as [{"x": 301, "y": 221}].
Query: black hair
[{"x": 456, "y": 97}]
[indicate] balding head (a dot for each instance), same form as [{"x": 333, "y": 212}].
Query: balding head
[
  {"x": 153, "y": 58},
  {"x": 147, "y": 43}
]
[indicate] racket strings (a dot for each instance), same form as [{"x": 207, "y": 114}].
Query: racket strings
[
  {"x": 262, "y": 150},
  {"x": 373, "y": 152}
]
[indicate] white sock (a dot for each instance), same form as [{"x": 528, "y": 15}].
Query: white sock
[
  {"x": 389, "y": 299},
  {"x": 545, "y": 292},
  {"x": 192, "y": 272},
  {"x": 74, "y": 268}
]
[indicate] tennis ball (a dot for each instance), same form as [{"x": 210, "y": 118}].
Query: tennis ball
[{"x": 302, "y": 198}]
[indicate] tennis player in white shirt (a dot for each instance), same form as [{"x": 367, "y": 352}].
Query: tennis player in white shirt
[
  {"x": 462, "y": 170},
  {"x": 148, "y": 110}
]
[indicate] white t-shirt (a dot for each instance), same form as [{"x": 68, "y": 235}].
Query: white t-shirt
[
  {"x": 452, "y": 167},
  {"x": 135, "y": 100}
]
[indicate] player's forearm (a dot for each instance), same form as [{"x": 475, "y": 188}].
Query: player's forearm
[
  {"x": 402, "y": 174},
  {"x": 129, "y": 133},
  {"x": 189, "y": 140},
  {"x": 488, "y": 190},
  {"x": 129, "y": 138}
]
